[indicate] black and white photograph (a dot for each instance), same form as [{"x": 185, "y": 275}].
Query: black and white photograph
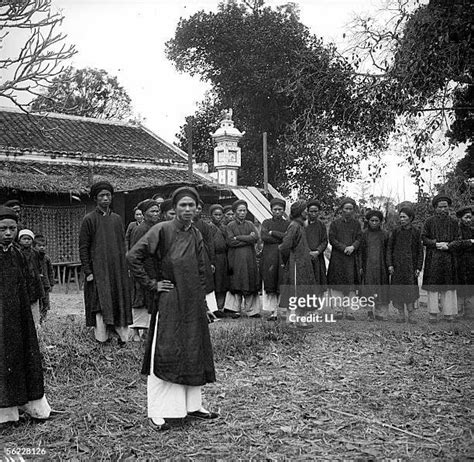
[{"x": 236, "y": 230}]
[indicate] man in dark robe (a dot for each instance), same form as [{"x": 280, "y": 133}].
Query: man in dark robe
[
  {"x": 464, "y": 252},
  {"x": 374, "y": 267},
  {"x": 178, "y": 358},
  {"x": 143, "y": 299},
  {"x": 439, "y": 235},
  {"x": 221, "y": 276},
  {"x": 317, "y": 238},
  {"x": 272, "y": 233},
  {"x": 209, "y": 258},
  {"x": 21, "y": 372},
  {"x": 16, "y": 206},
  {"x": 138, "y": 215},
  {"x": 343, "y": 271},
  {"x": 228, "y": 214},
  {"x": 167, "y": 211},
  {"x": 405, "y": 262},
  {"x": 102, "y": 252},
  {"x": 299, "y": 280},
  {"x": 241, "y": 237}
]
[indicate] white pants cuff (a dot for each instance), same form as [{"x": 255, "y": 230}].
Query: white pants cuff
[{"x": 38, "y": 408}]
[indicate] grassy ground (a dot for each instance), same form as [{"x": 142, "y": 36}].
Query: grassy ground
[{"x": 350, "y": 390}]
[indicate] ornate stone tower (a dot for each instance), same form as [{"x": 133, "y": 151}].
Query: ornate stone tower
[{"x": 227, "y": 156}]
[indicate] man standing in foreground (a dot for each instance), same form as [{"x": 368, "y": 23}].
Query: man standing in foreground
[
  {"x": 178, "y": 358},
  {"x": 21, "y": 372},
  {"x": 102, "y": 253}
]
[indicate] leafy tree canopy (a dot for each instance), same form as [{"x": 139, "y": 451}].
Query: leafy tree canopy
[
  {"x": 421, "y": 57},
  {"x": 85, "y": 92},
  {"x": 279, "y": 79}
]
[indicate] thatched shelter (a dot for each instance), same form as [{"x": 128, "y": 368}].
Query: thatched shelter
[{"x": 49, "y": 162}]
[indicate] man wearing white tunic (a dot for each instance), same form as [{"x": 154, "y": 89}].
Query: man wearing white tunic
[{"x": 178, "y": 359}]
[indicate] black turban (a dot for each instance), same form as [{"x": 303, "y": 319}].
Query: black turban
[
  {"x": 237, "y": 203},
  {"x": 12, "y": 203},
  {"x": 166, "y": 205},
  {"x": 277, "y": 201},
  {"x": 314, "y": 202},
  {"x": 185, "y": 191},
  {"x": 297, "y": 209},
  {"x": 374, "y": 213},
  {"x": 439, "y": 198},
  {"x": 409, "y": 212},
  {"x": 147, "y": 204},
  {"x": 215, "y": 207},
  {"x": 96, "y": 188},
  {"x": 462, "y": 211},
  {"x": 227, "y": 208},
  {"x": 347, "y": 200},
  {"x": 7, "y": 212}
]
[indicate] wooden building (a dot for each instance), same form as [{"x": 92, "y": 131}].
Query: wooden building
[{"x": 49, "y": 161}]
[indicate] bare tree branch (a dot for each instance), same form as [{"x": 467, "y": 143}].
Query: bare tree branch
[{"x": 41, "y": 56}]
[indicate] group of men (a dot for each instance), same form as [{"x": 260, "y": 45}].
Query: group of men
[{"x": 184, "y": 267}]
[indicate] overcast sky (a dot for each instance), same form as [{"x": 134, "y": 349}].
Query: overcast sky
[{"x": 127, "y": 38}]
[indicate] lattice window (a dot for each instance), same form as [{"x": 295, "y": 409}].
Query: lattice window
[{"x": 60, "y": 225}]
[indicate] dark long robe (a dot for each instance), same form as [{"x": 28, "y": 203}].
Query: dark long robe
[
  {"x": 464, "y": 253},
  {"x": 373, "y": 262},
  {"x": 102, "y": 253},
  {"x": 299, "y": 278},
  {"x": 271, "y": 265},
  {"x": 440, "y": 272},
  {"x": 405, "y": 254},
  {"x": 128, "y": 234},
  {"x": 183, "y": 352},
  {"x": 317, "y": 238},
  {"x": 343, "y": 271},
  {"x": 221, "y": 275},
  {"x": 47, "y": 272},
  {"x": 142, "y": 297},
  {"x": 21, "y": 372},
  {"x": 35, "y": 287},
  {"x": 209, "y": 254},
  {"x": 243, "y": 270}
]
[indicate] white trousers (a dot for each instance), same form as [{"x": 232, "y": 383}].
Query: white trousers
[
  {"x": 251, "y": 306},
  {"x": 448, "y": 299},
  {"x": 100, "y": 330},
  {"x": 166, "y": 399},
  {"x": 211, "y": 301},
  {"x": 141, "y": 318},
  {"x": 35, "y": 310},
  {"x": 270, "y": 302},
  {"x": 38, "y": 408}
]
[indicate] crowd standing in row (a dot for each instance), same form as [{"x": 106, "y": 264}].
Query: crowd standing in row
[{"x": 186, "y": 271}]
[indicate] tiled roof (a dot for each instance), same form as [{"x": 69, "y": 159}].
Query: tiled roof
[
  {"x": 55, "y": 177},
  {"x": 81, "y": 137}
]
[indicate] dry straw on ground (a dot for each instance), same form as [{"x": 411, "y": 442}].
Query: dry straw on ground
[{"x": 347, "y": 391}]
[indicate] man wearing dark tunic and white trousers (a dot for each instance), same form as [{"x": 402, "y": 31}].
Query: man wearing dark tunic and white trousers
[
  {"x": 440, "y": 235},
  {"x": 242, "y": 236},
  {"x": 343, "y": 273},
  {"x": 273, "y": 232},
  {"x": 102, "y": 252},
  {"x": 178, "y": 358},
  {"x": 21, "y": 371}
]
